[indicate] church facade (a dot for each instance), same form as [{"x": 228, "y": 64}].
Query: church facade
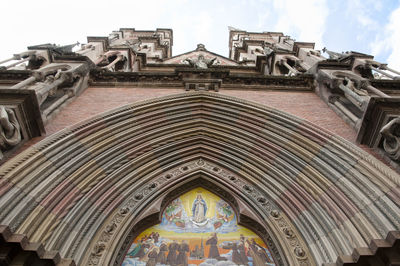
[{"x": 119, "y": 153}]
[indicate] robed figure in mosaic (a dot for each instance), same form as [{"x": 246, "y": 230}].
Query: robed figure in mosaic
[
  {"x": 212, "y": 242},
  {"x": 199, "y": 210}
]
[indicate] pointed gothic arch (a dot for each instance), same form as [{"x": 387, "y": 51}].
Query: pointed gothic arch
[
  {"x": 79, "y": 191},
  {"x": 202, "y": 173}
]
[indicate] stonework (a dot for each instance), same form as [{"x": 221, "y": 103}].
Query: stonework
[{"x": 97, "y": 142}]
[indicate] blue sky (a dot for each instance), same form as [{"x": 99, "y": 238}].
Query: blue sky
[{"x": 367, "y": 26}]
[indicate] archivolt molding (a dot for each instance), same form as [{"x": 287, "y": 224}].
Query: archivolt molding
[
  {"x": 287, "y": 235},
  {"x": 63, "y": 191}
]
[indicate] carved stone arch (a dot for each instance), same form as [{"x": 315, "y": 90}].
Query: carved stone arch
[
  {"x": 256, "y": 218},
  {"x": 67, "y": 194}
]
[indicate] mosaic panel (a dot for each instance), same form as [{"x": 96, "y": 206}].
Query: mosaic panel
[{"x": 198, "y": 228}]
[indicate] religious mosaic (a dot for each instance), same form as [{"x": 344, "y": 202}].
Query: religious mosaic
[{"x": 198, "y": 228}]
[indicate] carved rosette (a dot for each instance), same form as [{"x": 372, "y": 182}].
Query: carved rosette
[{"x": 286, "y": 231}]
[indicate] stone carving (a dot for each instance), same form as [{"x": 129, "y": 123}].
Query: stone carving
[
  {"x": 288, "y": 232},
  {"x": 135, "y": 46},
  {"x": 335, "y": 55},
  {"x": 314, "y": 53},
  {"x": 56, "y": 50},
  {"x": 97, "y": 253},
  {"x": 201, "y": 62},
  {"x": 131, "y": 204},
  {"x": 350, "y": 85},
  {"x": 98, "y": 249},
  {"x": 382, "y": 69},
  {"x": 10, "y": 134},
  {"x": 299, "y": 252},
  {"x": 267, "y": 50},
  {"x": 230, "y": 28},
  {"x": 48, "y": 87},
  {"x": 275, "y": 213},
  {"x": 110, "y": 228},
  {"x": 391, "y": 138},
  {"x": 201, "y": 47},
  {"x": 292, "y": 71},
  {"x": 56, "y": 87},
  {"x": 352, "y": 93},
  {"x": 114, "y": 60}
]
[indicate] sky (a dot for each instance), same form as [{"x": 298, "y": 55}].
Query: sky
[{"x": 366, "y": 26}]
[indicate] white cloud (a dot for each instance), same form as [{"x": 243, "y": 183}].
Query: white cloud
[
  {"x": 389, "y": 39},
  {"x": 393, "y": 29},
  {"x": 362, "y": 10},
  {"x": 192, "y": 21},
  {"x": 203, "y": 24},
  {"x": 304, "y": 19}
]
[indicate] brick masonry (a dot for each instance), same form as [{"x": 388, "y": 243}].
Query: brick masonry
[
  {"x": 98, "y": 100},
  {"x": 306, "y": 105}
]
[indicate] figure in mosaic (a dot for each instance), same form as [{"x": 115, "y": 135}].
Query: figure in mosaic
[
  {"x": 161, "y": 258},
  {"x": 152, "y": 256},
  {"x": 182, "y": 258},
  {"x": 172, "y": 255},
  {"x": 213, "y": 241},
  {"x": 198, "y": 228},
  {"x": 199, "y": 210}
]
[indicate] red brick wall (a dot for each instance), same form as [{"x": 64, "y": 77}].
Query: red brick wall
[
  {"x": 306, "y": 105},
  {"x": 97, "y": 100},
  {"x": 93, "y": 101}
]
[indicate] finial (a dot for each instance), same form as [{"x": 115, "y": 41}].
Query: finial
[{"x": 201, "y": 47}]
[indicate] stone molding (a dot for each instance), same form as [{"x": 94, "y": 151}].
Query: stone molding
[
  {"x": 288, "y": 235},
  {"x": 336, "y": 196}
]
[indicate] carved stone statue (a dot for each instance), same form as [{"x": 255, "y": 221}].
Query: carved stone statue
[
  {"x": 201, "y": 62},
  {"x": 230, "y": 28},
  {"x": 267, "y": 50},
  {"x": 391, "y": 138},
  {"x": 48, "y": 87},
  {"x": 55, "y": 86},
  {"x": 10, "y": 134},
  {"x": 358, "y": 96},
  {"x": 334, "y": 55},
  {"x": 351, "y": 86},
  {"x": 135, "y": 46},
  {"x": 56, "y": 49}
]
